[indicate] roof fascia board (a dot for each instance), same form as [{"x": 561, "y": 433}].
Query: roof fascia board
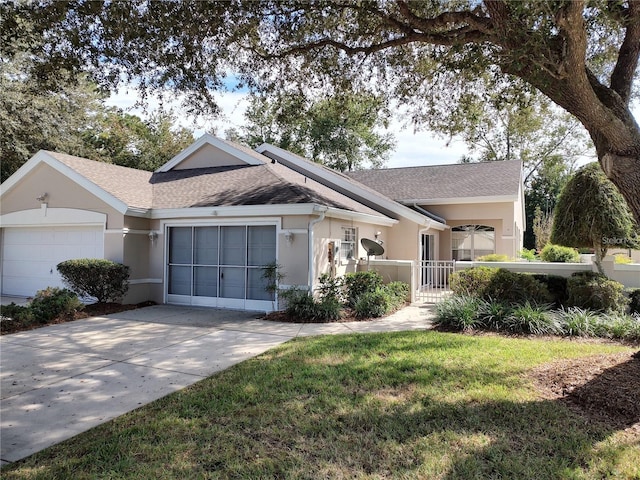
[
  {"x": 208, "y": 139},
  {"x": 462, "y": 200},
  {"x": 43, "y": 157},
  {"x": 235, "y": 211},
  {"x": 361, "y": 217},
  {"x": 343, "y": 186}
]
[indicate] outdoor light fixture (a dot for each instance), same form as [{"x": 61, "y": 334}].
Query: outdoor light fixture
[
  {"x": 42, "y": 197},
  {"x": 288, "y": 236},
  {"x": 153, "y": 236}
]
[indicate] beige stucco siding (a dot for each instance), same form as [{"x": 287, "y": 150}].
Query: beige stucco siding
[
  {"x": 61, "y": 193},
  {"x": 208, "y": 156}
]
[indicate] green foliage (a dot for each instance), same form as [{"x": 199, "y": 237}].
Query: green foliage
[
  {"x": 472, "y": 282},
  {"x": 54, "y": 302},
  {"x": 459, "y": 313},
  {"x": 533, "y": 319},
  {"x": 595, "y": 292},
  {"x": 16, "y": 312},
  {"x": 559, "y": 254},
  {"x": 101, "y": 279},
  {"x": 304, "y": 308},
  {"x": 331, "y": 288},
  {"x": 373, "y": 304},
  {"x": 339, "y": 132},
  {"x": 399, "y": 292},
  {"x": 592, "y": 213},
  {"x": 619, "y": 326},
  {"x": 359, "y": 283},
  {"x": 621, "y": 259},
  {"x": 557, "y": 287},
  {"x": 272, "y": 275},
  {"x": 526, "y": 254},
  {"x": 579, "y": 322},
  {"x": 493, "y": 257},
  {"x": 500, "y": 285},
  {"x": 634, "y": 301},
  {"x": 493, "y": 314}
]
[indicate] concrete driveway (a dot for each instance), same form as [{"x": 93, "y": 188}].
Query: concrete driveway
[{"x": 58, "y": 381}]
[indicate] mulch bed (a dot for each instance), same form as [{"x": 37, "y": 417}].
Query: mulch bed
[{"x": 604, "y": 388}]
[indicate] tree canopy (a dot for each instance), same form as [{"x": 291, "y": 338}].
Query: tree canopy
[
  {"x": 339, "y": 131},
  {"x": 427, "y": 55},
  {"x": 591, "y": 213}
]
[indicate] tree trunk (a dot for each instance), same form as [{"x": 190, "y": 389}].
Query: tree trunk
[{"x": 624, "y": 172}]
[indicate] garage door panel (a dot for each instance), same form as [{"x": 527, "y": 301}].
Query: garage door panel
[{"x": 30, "y": 255}]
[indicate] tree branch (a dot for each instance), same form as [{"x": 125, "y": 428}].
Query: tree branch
[{"x": 623, "y": 73}]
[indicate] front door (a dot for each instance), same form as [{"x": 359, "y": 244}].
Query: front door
[{"x": 220, "y": 266}]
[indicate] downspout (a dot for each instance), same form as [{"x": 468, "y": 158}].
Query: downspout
[{"x": 312, "y": 223}]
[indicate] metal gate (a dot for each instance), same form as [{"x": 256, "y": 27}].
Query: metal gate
[{"x": 433, "y": 280}]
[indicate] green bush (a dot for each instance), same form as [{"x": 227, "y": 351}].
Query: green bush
[
  {"x": 15, "y": 312},
  {"x": 54, "y": 302},
  {"x": 622, "y": 259},
  {"x": 459, "y": 313},
  {"x": 579, "y": 322},
  {"x": 593, "y": 291},
  {"x": 558, "y": 253},
  {"x": 302, "y": 306},
  {"x": 619, "y": 326},
  {"x": 472, "y": 282},
  {"x": 331, "y": 287},
  {"x": 493, "y": 257},
  {"x": 529, "y": 255},
  {"x": 360, "y": 282},
  {"x": 103, "y": 280},
  {"x": 373, "y": 304},
  {"x": 557, "y": 287},
  {"x": 634, "y": 301},
  {"x": 399, "y": 291}
]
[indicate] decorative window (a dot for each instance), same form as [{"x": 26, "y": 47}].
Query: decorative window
[
  {"x": 348, "y": 244},
  {"x": 469, "y": 242}
]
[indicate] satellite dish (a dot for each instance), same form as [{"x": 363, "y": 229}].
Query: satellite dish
[{"x": 372, "y": 247}]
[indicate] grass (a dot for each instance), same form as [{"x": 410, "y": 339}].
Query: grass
[{"x": 400, "y": 405}]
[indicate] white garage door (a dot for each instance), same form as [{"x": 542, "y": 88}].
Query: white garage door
[{"x": 30, "y": 255}]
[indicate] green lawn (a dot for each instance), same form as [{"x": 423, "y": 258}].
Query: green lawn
[{"x": 402, "y": 405}]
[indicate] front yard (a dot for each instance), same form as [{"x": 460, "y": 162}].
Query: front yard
[{"x": 400, "y": 405}]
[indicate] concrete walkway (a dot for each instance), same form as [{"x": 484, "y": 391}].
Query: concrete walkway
[{"x": 58, "y": 381}]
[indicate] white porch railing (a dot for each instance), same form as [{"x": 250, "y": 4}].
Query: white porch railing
[{"x": 432, "y": 279}]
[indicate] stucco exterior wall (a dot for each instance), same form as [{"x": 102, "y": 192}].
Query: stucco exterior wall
[
  {"x": 61, "y": 193},
  {"x": 208, "y": 156}
]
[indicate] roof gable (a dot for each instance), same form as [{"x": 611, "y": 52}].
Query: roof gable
[{"x": 209, "y": 151}]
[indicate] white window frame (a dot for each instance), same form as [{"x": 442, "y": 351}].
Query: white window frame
[
  {"x": 347, "y": 232},
  {"x": 472, "y": 230}
]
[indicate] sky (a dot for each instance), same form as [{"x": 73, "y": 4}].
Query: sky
[{"x": 422, "y": 148}]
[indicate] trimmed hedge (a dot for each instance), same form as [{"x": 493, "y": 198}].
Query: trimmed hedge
[
  {"x": 499, "y": 284},
  {"x": 101, "y": 279},
  {"x": 596, "y": 292}
]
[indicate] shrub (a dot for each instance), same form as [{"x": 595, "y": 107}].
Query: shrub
[
  {"x": 532, "y": 318},
  {"x": 634, "y": 304},
  {"x": 15, "y": 312},
  {"x": 103, "y": 280},
  {"x": 529, "y": 255},
  {"x": 360, "y": 282},
  {"x": 578, "y": 322},
  {"x": 596, "y": 292},
  {"x": 373, "y": 304},
  {"x": 507, "y": 286},
  {"x": 471, "y": 282},
  {"x": 301, "y": 305},
  {"x": 493, "y": 257},
  {"x": 558, "y": 253},
  {"x": 399, "y": 293},
  {"x": 54, "y": 302},
  {"x": 557, "y": 287},
  {"x": 328, "y": 309},
  {"x": 460, "y": 313},
  {"x": 493, "y": 314},
  {"x": 619, "y": 326},
  {"x": 331, "y": 287},
  {"x": 622, "y": 259}
]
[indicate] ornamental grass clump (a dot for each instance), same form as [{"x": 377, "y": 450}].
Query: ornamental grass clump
[
  {"x": 459, "y": 313},
  {"x": 532, "y": 318}
]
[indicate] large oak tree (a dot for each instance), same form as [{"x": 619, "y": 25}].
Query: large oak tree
[{"x": 427, "y": 54}]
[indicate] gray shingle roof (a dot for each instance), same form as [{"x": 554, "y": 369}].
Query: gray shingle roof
[
  {"x": 266, "y": 184},
  {"x": 489, "y": 179}
]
